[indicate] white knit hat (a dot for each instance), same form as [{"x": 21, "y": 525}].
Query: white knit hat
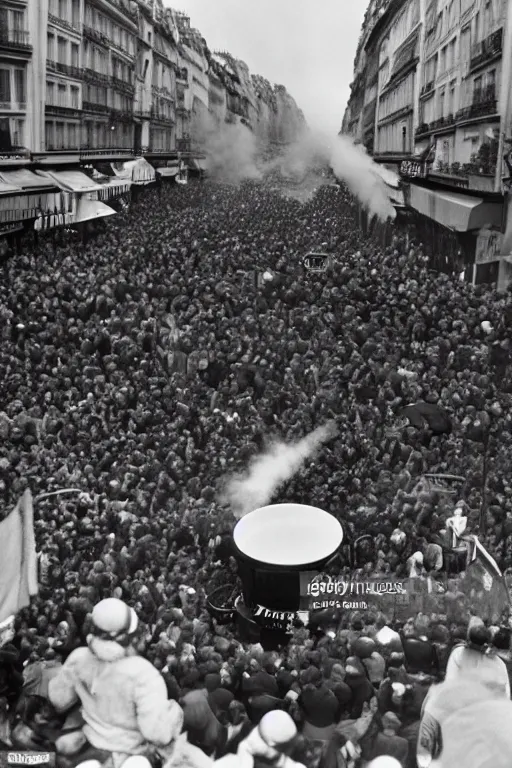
[
  {"x": 384, "y": 762},
  {"x": 277, "y": 727}
]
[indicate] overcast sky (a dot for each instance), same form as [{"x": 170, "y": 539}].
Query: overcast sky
[{"x": 308, "y": 47}]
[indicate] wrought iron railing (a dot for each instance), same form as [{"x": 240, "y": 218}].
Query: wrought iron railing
[
  {"x": 91, "y": 106},
  {"x": 486, "y": 49},
  {"x": 95, "y": 35},
  {"x": 96, "y": 77},
  {"x": 427, "y": 88},
  {"x": 15, "y": 38},
  {"x": 64, "y": 23},
  {"x": 183, "y": 145},
  {"x": 64, "y": 69}
]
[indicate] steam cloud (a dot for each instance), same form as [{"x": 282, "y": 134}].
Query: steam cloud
[
  {"x": 232, "y": 151},
  {"x": 271, "y": 469},
  {"x": 363, "y": 177}
]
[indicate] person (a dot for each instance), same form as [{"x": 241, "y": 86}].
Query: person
[
  {"x": 123, "y": 698},
  {"x": 457, "y": 524},
  {"x": 269, "y": 742},
  {"x": 476, "y": 660},
  {"x": 465, "y": 722}
]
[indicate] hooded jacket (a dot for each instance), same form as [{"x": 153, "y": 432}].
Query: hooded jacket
[{"x": 123, "y": 697}]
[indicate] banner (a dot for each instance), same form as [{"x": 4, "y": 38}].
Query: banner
[
  {"x": 484, "y": 582},
  {"x": 18, "y": 574},
  {"x": 269, "y": 619}
]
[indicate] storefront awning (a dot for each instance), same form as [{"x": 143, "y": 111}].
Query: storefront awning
[
  {"x": 455, "y": 211},
  {"x": 85, "y": 210},
  {"x": 137, "y": 171},
  {"x": 24, "y": 179},
  {"x": 166, "y": 172},
  {"x": 88, "y": 210},
  {"x": 71, "y": 181},
  {"x": 8, "y": 189},
  {"x": 113, "y": 188}
]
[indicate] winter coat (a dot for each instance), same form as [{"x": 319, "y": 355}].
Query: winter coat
[{"x": 124, "y": 698}]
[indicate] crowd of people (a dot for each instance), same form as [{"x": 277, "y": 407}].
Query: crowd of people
[{"x": 144, "y": 367}]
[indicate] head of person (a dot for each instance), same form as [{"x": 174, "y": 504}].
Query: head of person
[{"x": 114, "y": 630}]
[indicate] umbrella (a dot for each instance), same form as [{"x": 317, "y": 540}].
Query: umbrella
[{"x": 429, "y": 415}]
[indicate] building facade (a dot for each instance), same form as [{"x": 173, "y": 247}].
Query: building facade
[
  {"x": 17, "y": 37},
  {"x": 435, "y": 106}
]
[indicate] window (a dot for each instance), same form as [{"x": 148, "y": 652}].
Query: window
[
  {"x": 75, "y": 12},
  {"x": 75, "y": 55},
  {"x": 63, "y": 10},
  {"x": 18, "y": 21},
  {"x": 48, "y": 135},
  {"x": 59, "y": 141},
  {"x": 5, "y": 87},
  {"x": 50, "y": 44},
  {"x": 75, "y": 97},
  {"x": 451, "y": 105},
  {"x": 50, "y": 92},
  {"x": 19, "y": 86},
  {"x": 72, "y": 142},
  {"x": 62, "y": 50},
  {"x": 440, "y": 103},
  {"x": 61, "y": 94},
  {"x": 490, "y": 85},
  {"x": 442, "y": 60},
  {"x": 477, "y": 89}
]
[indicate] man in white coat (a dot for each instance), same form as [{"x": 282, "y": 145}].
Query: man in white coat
[{"x": 123, "y": 697}]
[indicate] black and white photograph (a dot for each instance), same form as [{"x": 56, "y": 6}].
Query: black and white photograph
[{"x": 256, "y": 383}]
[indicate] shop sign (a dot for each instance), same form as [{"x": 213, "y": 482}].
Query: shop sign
[
  {"x": 488, "y": 246},
  {"x": 413, "y": 169}
]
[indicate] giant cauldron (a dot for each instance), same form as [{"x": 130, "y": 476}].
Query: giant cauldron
[{"x": 275, "y": 544}]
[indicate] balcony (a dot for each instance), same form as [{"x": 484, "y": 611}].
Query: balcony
[
  {"x": 145, "y": 114},
  {"x": 96, "y": 77},
  {"x": 120, "y": 115},
  {"x": 64, "y": 24},
  {"x": 15, "y": 40},
  {"x": 64, "y": 69},
  {"x": 122, "y": 6},
  {"x": 13, "y": 106},
  {"x": 15, "y": 153},
  {"x": 427, "y": 88},
  {"x": 91, "y": 106},
  {"x": 160, "y": 116},
  {"x": 122, "y": 85},
  {"x": 57, "y": 109},
  {"x": 486, "y": 50},
  {"x": 484, "y": 104},
  {"x": 95, "y": 36},
  {"x": 183, "y": 145},
  {"x": 87, "y": 152}
]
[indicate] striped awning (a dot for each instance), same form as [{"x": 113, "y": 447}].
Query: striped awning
[
  {"x": 114, "y": 188},
  {"x": 85, "y": 210},
  {"x": 24, "y": 207}
]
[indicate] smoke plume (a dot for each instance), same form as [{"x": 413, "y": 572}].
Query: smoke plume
[
  {"x": 362, "y": 175},
  {"x": 231, "y": 149},
  {"x": 271, "y": 469}
]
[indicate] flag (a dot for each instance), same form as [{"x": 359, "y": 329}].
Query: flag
[
  {"x": 485, "y": 581},
  {"x": 18, "y": 574}
]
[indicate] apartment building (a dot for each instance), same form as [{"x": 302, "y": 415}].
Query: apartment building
[
  {"x": 109, "y": 50},
  {"x": 443, "y": 70},
  {"x": 63, "y": 66},
  {"x": 459, "y": 111},
  {"x": 398, "y": 58},
  {"x": 16, "y": 68}
]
